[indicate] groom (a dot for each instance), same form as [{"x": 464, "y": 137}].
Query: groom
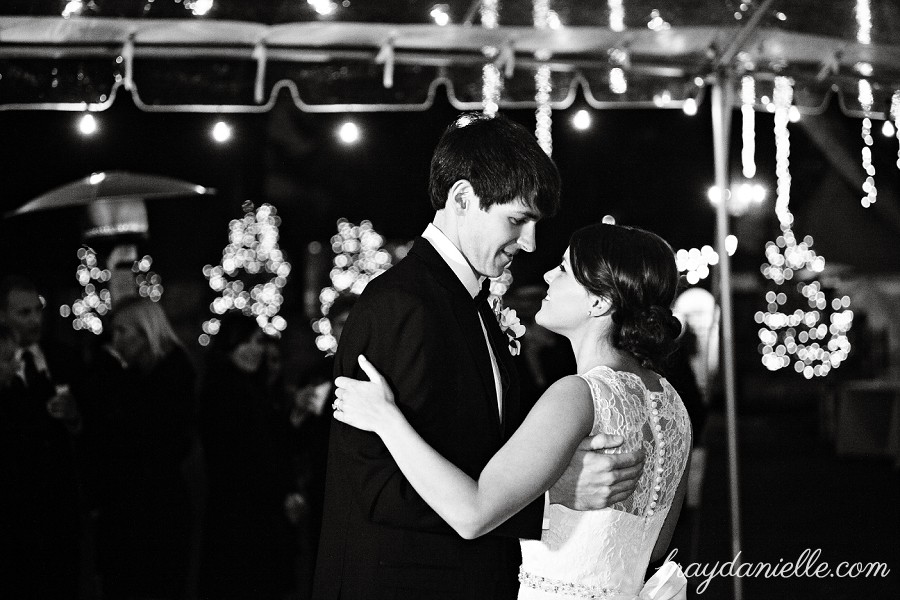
[{"x": 444, "y": 354}]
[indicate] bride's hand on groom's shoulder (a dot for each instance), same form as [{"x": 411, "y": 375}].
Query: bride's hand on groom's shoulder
[
  {"x": 367, "y": 405},
  {"x": 594, "y": 479}
]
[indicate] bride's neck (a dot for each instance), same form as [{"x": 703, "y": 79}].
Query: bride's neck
[{"x": 596, "y": 350}]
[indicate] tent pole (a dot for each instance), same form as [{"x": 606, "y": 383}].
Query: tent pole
[{"x": 722, "y": 91}]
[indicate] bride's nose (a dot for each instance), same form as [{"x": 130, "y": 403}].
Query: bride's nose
[{"x": 549, "y": 276}]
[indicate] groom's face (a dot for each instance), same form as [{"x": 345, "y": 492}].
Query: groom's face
[{"x": 490, "y": 239}]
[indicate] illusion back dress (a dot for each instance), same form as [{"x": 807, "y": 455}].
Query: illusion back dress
[{"x": 603, "y": 554}]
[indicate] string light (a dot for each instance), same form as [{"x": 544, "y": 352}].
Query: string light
[
  {"x": 619, "y": 59},
  {"x": 748, "y": 126},
  {"x": 349, "y": 133},
  {"x": 866, "y": 99},
  {"x": 618, "y": 84},
  {"x": 616, "y": 15},
  {"x": 740, "y": 197},
  {"x": 801, "y": 335},
  {"x": 581, "y": 120},
  {"x": 895, "y": 112},
  {"x": 72, "y": 7},
  {"x": 221, "y": 132},
  {"x": 253, "y": 249},
  {"x": 149, "y": 284},
  {"x": 543, "y": 117},
  {"x": 95, "y": 301},
  {"x": 359, "y": 257},
  {"x": 689, "y": 107},
  {"x": 491, "y": 82},
  {"x": 490, "y": 90},
  {"x": 441, "y": 14},
  {"x": 87, "y": 124},
  {"x": 323, "y": 7},
  {"x": 489, "y": 14},
  {"x": 656, "y": 22},
  {"x": 199, "y": 7},
  {"x": 864, "y": 22}
]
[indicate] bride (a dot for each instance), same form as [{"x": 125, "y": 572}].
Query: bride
[{"x": 610, "y": 297}]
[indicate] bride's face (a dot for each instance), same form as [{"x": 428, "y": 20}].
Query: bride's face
[{"x": 566, "y": 305}]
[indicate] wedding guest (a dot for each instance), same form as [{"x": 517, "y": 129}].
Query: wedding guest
[
  {"x": 40, "y": 524},
  {"x": 248, "y": 541},
  {"x": 141, "y": 427}
]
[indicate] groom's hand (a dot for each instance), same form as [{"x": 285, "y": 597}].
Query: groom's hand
[{"x": 594, "y": 479}]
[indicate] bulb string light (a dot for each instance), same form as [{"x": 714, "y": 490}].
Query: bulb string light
[
  {"x": 253, "y": 252},
  {"x": 360, "y": 257},
  {"x": 148, "y": 283},
  {"x": 695, "y": 263},
  {"x": 815, "y": 344},
  {"x": 616, "y": 15},
  {"x": 491, "y": 80},
  {"x": 748, "y": 126},
  {"x": 864, "y": 22},
  {"x": 543, "y": 113},
  {"x": 618, "y": 59},
  {"x": 866, "y": 100},
  {"x": 895, "y": 113},
  {"x": 95, "y": 301}
]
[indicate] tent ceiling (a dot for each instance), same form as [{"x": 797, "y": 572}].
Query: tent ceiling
[{"x": 390, "y": 55}]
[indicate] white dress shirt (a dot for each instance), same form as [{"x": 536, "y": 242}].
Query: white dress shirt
[{"x": 472, "y": 282}]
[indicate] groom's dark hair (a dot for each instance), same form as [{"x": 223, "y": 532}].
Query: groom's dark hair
[{"x": 500, "y": 158}]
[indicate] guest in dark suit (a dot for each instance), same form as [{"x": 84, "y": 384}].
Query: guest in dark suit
[
  {"x": 448, "y": 360},
  {"x": 40, "y": 512}
]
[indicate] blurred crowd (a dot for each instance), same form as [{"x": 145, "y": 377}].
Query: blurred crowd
[{"x": 131, "y": 470}]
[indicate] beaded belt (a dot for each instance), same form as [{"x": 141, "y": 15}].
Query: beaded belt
[{"x": 577, "y": 590}]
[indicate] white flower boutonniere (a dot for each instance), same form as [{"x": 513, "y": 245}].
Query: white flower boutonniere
[{"x": 509, "y": 323}]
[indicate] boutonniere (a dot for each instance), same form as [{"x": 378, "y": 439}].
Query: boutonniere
[{"x": 509, "y": 324}]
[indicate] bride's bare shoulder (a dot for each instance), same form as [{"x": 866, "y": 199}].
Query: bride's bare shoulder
[{"x": 569, "y": 388}]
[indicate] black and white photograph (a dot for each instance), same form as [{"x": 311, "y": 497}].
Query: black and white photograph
[{"x": 449, "y": 300}]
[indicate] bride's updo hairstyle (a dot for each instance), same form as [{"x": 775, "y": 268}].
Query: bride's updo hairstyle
[{"x": 635, "y": 269}]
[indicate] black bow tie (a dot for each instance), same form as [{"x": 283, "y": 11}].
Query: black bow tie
[{"x": 482, "y": 296}]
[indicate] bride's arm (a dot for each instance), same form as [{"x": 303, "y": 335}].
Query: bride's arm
[{"x": 526, "y": 466}]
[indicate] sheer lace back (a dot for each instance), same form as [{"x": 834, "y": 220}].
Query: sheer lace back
[
  {"x": 603, "y": 554},
  {"x": 654, "y": 421}
]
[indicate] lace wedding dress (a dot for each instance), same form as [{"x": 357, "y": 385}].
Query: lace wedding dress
[{"x": 603, "y": 554}]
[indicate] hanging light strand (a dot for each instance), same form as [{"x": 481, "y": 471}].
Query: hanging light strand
[
  {"x": 616, "y": 15},
  {"x": 863, "y": 22},
  {"x": 895, "y": 113},
  {"x": 748, "y": 131},
  {"x": 543, "y": 117},
  {"x": 814, "y": 342},
  {"x": 491, "y": 82},
  {"x": 782, "y": 98},
  {"x": 866, "y": 100}
]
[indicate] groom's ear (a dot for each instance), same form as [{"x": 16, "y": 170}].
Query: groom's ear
[{"x": 461, "y": 195}]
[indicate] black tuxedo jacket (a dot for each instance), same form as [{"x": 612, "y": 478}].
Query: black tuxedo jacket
[{"x": 419, "y": 326}]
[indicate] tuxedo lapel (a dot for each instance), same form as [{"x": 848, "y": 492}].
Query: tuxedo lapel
[
  {"x": 466, "y": 316},
  {"x": 507, "y": 368}
]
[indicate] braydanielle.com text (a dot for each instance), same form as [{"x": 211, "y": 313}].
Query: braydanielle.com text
[{"x": 807, "y": 565}]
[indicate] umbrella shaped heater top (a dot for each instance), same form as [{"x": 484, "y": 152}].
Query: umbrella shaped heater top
[
  {"x": 114, "y": 200},
  {"x": 112, "y": 187}
]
